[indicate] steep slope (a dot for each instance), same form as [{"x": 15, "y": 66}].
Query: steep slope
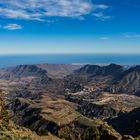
[
  {"x": 128, "y": 123},
  {"x": 25, "y": 73},
  {"x": 95, "y": 70},
  {"x": 63, "y": 122},
  {"x": 22, "y": 71},
  {"x": 127, "y": 82},
  {"x": 100, "y": 76},
  {"x": 10, "y": 131}
]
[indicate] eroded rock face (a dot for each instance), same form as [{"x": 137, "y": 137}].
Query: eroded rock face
[
  {"x": 9, "y": 130},
  {"x": 127, "y": 82},
  {"x": 28, "y": 116},
  {"x": 99, "y": 111}
]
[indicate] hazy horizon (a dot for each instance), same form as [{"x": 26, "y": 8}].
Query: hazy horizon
[{"x": 98, "y": 59}]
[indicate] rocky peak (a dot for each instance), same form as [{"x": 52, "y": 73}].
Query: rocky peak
[
  {"x": 26, "y": 73},
  {"x": 127, "y": 82},
  {"x": 96, "y": 70}
]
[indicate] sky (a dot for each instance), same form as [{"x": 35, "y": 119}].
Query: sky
[{"x": 69, "y": 26}]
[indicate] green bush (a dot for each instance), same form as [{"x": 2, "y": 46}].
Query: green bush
[
  {"x": 43, "y": 133},
  {"x": 92, "y": 134}
]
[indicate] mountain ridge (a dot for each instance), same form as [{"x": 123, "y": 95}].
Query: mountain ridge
[{"x": 69, "y": 106}]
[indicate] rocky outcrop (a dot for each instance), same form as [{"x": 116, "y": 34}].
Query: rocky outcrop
[
  {"x": 99, "y": 111},
  {"x": 78, "y": 131}
]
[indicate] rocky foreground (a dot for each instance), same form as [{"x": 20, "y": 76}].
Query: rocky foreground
[{"x": 70, "y": 102}]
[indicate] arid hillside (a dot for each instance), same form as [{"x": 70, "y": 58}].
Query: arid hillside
[{"x": 71, "y": 102}]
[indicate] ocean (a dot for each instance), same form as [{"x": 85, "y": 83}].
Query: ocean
[{"x": 101, "y": 59}]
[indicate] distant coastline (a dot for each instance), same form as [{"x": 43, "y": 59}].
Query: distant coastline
[{"x": 75, "y": 59}]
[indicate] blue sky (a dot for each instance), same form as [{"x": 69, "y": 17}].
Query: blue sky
[{"x": 69, "y": 26}]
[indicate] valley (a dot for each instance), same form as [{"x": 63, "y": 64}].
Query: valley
[{"x": 73, "y": 102}]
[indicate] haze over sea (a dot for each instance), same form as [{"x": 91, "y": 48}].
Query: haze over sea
[{"x": 101, "y": 59}]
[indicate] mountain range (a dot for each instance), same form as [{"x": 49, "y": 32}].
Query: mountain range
[{"x": 73, "y": 102}]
